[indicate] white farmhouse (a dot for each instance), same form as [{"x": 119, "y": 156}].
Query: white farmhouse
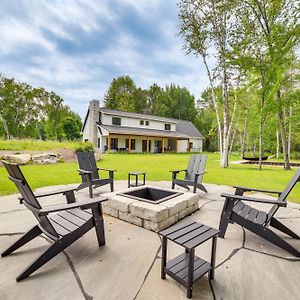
[{"x": 113, "y": 130}]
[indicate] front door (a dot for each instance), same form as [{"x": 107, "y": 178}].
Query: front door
[{"x": 144, "y": 145}]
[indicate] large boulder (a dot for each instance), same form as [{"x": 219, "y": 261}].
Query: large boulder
[
  {"x": 20, "y": 159},
  {"x": 46, "y": 158}
]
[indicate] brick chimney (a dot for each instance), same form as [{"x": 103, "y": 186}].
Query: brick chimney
[{"x": 93, "y": 118}]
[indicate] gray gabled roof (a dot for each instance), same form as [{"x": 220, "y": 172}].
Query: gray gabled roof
[
  {"x": 142, "y": 131},
  {"x": 135, "y": 115},
  {"x": 183, "y": 128}
]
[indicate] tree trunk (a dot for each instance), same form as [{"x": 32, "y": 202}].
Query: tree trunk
[
  {"x": 260, "y": 143},
  {"x": 6, "y": 129},
  {"x": 243, "y": 139},
  {"x": 215, "y": 104},
  {"x": 290, "y": 133},
  {"x": 232, "y": 141},
  {"x": 283, "y": 133},
  {"x": 277, "y": 143}
]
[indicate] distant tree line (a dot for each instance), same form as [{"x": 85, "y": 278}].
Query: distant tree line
[
  {"x": 29, "y": 112},
  {"x": 249, "y": 51},
  {"x": 172, "y": 101}
]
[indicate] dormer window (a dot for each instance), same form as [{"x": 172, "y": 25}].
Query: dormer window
[
  {"x": 147, "y": 123},
  {"x": 167, "y": 126},
  {"x": 116, "y": 121},
  {"x": 141, "y": 122}
]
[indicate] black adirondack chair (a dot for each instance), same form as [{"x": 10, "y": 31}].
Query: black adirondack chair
[
  {"x": 257, "y": 221},
  {"x": 65, "y": 224},
  {"x": 89, "y": 173},
  {"x": 193, "y": 174}
]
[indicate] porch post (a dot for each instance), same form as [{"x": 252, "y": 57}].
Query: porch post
[
  {"x": 108, "y": 146},
  {"x": 147, "y": 144},
  {"x": 163, "y": 145},
  {"x": 129, "y": 143},
  {"x": 176, "y": 145}
]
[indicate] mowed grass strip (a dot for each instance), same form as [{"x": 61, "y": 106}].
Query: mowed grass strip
[{"x": 157, "y": 167}]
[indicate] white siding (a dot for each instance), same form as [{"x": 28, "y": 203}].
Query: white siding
[
  {"x": 182, "y": 145},
  {"x": 86, "y": 130},
  {"x": 197, "y": 145},
  {"x": 132, "y": 122}
]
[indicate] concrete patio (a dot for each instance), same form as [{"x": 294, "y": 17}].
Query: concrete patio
[{"x": 128, "y": 266}]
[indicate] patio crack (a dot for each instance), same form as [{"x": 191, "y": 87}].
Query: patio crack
[
  {"x": 12, "y": 211},
  {"x": 73, "y": 269},
  {"x": 12, "y": 233},
  {"x": 292, "y": 259},
  {"x": 148, "y": 272},
  {"x": 206, "y": 203}
]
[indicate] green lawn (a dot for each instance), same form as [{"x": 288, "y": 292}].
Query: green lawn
[
  {"x": 29, "y": 144},
  {"x": 157, "y": 167}
]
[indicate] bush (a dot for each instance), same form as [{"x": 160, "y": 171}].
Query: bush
[{"x": 84, "y": 147}]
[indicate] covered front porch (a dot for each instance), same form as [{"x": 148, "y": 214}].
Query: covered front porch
[{"x": 143, "y": 144}]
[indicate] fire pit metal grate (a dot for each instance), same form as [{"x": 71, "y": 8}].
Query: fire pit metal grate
[{"x": 151, "y": 195}]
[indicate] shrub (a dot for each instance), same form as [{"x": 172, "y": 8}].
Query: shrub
[{"x": 84, "y": 147}]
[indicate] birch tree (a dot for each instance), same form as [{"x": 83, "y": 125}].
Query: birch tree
[{"x": 206, "y": 27}]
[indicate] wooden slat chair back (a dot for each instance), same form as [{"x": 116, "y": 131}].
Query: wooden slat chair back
[
  {"x": 193, "y": 173},
  {"x": 88, "y": 171},
  {"x": 283, "y": 196},
  {"x": 197, "y": 163},
  {"x": 86, "y": 161},
  {"x": 29, "y": 199}
]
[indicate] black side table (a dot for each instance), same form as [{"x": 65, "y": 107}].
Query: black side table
[
  {"x": 136, "y": 182},
  {"x": 187, "y": 268}
]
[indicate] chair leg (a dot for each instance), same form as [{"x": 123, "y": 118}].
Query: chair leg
[
  {"x": 99, "y": 224},
  {"x": 279, "y": 226},
  {"x": 82, "y": 186},
  {"x": 201, "y": 187},
  {"x": 225, "y": 217},
  {"x": 91, "y": 190},
  {"x": 57, "y": 247},
  {"x": 51, "y": 252},
  {"x": 27, "y": 237},
  {"x": 112, "y": 186},
  {"x": 272, "y": 237},
  {"x": 173, "y": 185}
]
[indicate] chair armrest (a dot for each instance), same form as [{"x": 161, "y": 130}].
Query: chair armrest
[
  {"x": 82, "y": 204},
  {"x": 84, "y": 172},
  {"x": 108, "y": 170},
  {"x": 177, "y": 171},
  {"x": 257, "y": 190},
  {"x": 252, "y": 199},
  {"x": 200, "y": 173},
  {"x": 49, "y": 194}
]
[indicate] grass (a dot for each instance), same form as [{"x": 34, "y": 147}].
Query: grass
[
  {"x": 157, "y": 167},
  {"x": 29, "y": 144}
]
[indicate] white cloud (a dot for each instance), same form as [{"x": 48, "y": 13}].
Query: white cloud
[{"x": 81, "y": 75}]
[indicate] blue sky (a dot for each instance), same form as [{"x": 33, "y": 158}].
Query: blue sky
[{"x": 76, "y": 48}]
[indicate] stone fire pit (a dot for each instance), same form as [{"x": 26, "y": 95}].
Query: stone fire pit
[{"x": 160, "y": 214}]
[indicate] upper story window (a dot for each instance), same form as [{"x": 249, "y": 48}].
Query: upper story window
[
  {"x": 141, "y": 122},
  {"x": 147, "y": 123},
  {"x": 167, "y": 126},
  {"x": 116, "y": 121}
]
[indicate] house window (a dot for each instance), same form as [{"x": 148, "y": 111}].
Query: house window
[
  {"x": 147, "y": 123},
  {"x": 141, "y": 122},
  {"x": 116, "y": 121},
  {"x": 114, "y": 143},
  {"x": 167, "y": 126},
  {"x": 98, "y": 142},
  {"x": 132, "y": 142}
]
